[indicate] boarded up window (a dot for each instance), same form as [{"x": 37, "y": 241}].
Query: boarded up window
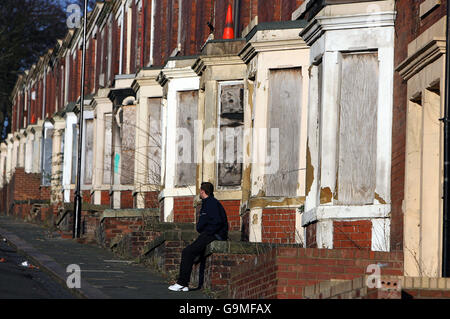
[
  {"x": 128, "y": 132},
  {"x": 61, "y": 155},
  {"x": 47, "y": 160},
  {"x": 185, "y": 170},
  {"x": 231, "y": 124},
  {"x": 116, "y": 148},
  {"x": 358, "y": 129},
  {"x": 74, "y": 152},
  {"x": 88, "y": 151},
  {"x": 36, "y": 154},
  {"x": 154, "y": 142},
  {"x": 284, "y": 116},
  {"x": 107, "y": 157}
]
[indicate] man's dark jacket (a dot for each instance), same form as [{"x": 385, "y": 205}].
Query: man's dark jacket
[{"x": 213, "y": 219}]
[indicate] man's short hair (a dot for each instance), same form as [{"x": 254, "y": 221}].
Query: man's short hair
[{"x": 208, "y": 188}]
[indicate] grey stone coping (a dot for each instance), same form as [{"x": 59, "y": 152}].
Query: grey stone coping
[
  {"x": 233, "y": 246},
  {"x": 86, "y": 207},
  {"x": 276, "y": 25},
  {"x": 129, "y": 213}
]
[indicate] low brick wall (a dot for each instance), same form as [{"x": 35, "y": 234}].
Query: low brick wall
[
  {"x": 282, "y": 272},
  {"x": 105, "y": 198},
  {"x": 151, "y": 199},
  {"x": 115, "y": 224},
  {"x": 23, "y": 188},
  {"x": 132, "y": 245},
  {"x": 163, "y": 253},
  {"x": 425, "y": 288},
  {"x": 232, "y": 208},
  {"x": 392, "y": 287},
  {"x": 221, "y": 257},
  {"x": 126, "y": 199}
]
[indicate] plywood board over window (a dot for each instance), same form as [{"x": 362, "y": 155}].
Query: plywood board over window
[
  {"x": 185, "y": 170},
  {"x": 107, "y": 157},
  {"x": 88, "y": 156},
  {"x": 231, "y": 124},
  {"x": 128, "y": 144},
  {"x": 357, "y": 128},
  {"x": 284, "y": 117},
  {"x": 154, "y": 141},
  {"x": 74, "y": 153},
  {"x": 116, "y": 152},
  {"x": 47, "y": 165}
]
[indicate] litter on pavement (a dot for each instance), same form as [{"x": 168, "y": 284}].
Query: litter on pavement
[{"x": 28, "y": 265}]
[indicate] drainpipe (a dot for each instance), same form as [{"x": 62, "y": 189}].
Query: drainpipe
[
  {"x": 445, "y": 233},
  {"x": 143, "y": 8},
  {"x": 152, "y": 31},
  {"x": 237, "y": 13},
  {"x": 44, "y": 95},
  {"x": 78, "y": 198}
]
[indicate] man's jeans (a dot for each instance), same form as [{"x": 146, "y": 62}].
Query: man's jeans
[{"x": 197, "y": 248}]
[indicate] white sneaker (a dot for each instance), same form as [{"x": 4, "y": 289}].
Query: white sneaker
[{"x": 178, "y": 287}]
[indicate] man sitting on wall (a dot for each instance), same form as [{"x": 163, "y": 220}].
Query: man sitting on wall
[{"x": 212, "y": 225}]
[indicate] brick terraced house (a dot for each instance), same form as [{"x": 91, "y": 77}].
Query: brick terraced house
[{"x": 318, "y": 125}]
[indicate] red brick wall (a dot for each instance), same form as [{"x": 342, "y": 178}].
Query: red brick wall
[
  {"x": 183, "y": 209},
  {"x": 278, "y": 225},
  {"x": 232, "y": 208},
  {"x": 151, "y": 200},
  {"x": 126, "y": 199},
  {"x": 135, "y": 241},
  {"x": 45, "y": 192},
  {"x": 255, "y": 279},
  {"x": 283, "y": 272},
  {"x": 195, "y": 32},
  {"x": 26, "y": 186},
  {"x": 23, "y": 187},
  {"x": 277, "y": 10},
  {"x": 104, "y": 198},
  {"x": 352, "y": 234},
  {"x": 113, "y": 227},
  {"x": 133, "y": 38},
  {"x": 311, "y": 232},
  {"x": 86, "y": 196},
  {"x": 218, "y": 269}
]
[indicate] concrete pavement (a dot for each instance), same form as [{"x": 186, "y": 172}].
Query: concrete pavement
[{"x": 103, "y": 275}]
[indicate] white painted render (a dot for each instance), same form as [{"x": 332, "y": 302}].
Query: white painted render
[
  {"x": 146, "y": 87},
  {"x": 9, "y": 158},
  {"x": 266, "y": 50},
  {"x": 22, "y": 142},
  {"x": 71, "y": 119},
  {"x": 3, "y": 153},
  {"x": 101, "y": 105},
  {"x": 179, "y": 79},
  {"x": 88, "y": 115}
]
